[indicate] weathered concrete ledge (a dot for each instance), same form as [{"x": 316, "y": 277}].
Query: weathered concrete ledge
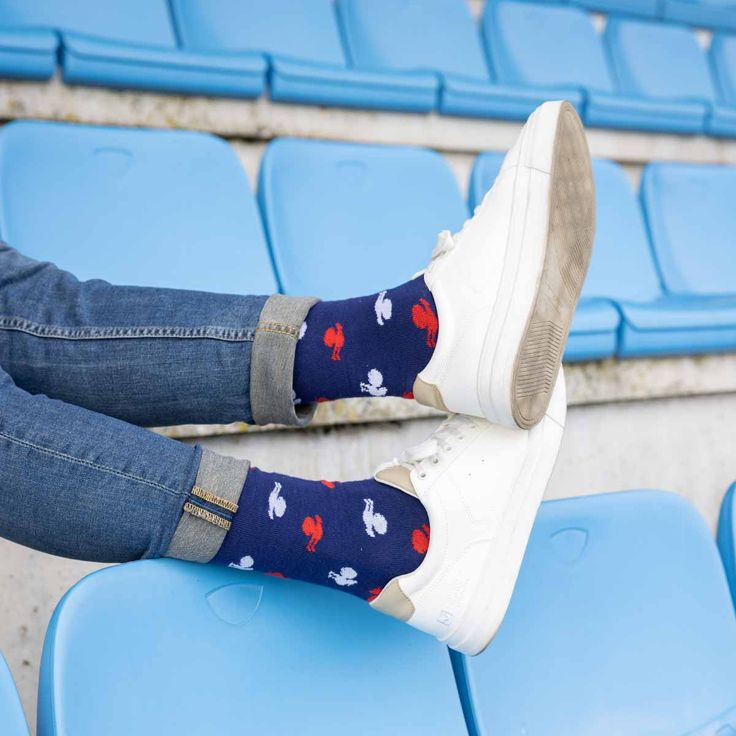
[
  {"x": 262, "y": 120},
  {"x": 602, "y": 382}
]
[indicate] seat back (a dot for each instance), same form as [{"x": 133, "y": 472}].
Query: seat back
[
  {"x": 726, "y": 538},
  {"x": 138, "y": 207},
  {"x": 531, "y": 44},
  {"x": 144, "y": 22},
  {"x": 304, "y": 30},
  {"x": 691, "y": 217},
  {"x": 658, "y": 60},
  {"x": 12, "y": 719},
  {"x": 621, "y": 268},
  {"x": 705, "y": 13},
  {"x": 414, "y": 35},
  {"x": 347, "y": 219},
  {"x": 167, "y": 647},
  {"x": 647, "y": 8},
  {"x": 723, "y": 64},
  {"x": 621, "y": 623}
]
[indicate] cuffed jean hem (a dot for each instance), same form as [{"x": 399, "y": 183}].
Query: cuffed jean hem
[
  {"x": 209, "y": 508},
  {"x": 272, "y": 362}
]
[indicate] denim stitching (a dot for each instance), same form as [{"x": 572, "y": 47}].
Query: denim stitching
[
  {"x": 228, "y": 334},
  {"x": 87, "y": 463}
]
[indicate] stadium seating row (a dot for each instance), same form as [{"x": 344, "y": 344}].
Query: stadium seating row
[
  {"x": 704, "y": 13},
  {"x": 172, "y": 208},
  {"x": 621, "y": 623},
  {"x": 418, "y": 55}
]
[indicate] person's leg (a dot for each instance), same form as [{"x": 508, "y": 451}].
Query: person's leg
[
  {"x": 165, "y": 356},
  {"x": 79, "y": 484},
  {"x": 481, "y": 332},
  {"x": 146, "y": 355}
]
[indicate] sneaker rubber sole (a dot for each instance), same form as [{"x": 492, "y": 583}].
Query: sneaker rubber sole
[{"x": 570, "y": 231}]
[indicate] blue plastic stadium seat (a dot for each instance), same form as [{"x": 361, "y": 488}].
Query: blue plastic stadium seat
[
  {"x": 708, "y": 13},
  {"x": 548, "y": 47},
  {"x": 691, "y": 218},
  {"x": 438, "y": 37},
  {"x": 301, "y": 39},
  {"x": 723, "y": 65},
  {"x": 167, "y": 647},
  {"x": 557, "y": 45},
  {"x": 726, "y": 538},
  {"x": 620, "y": 623},
  {"x": 621, "y": 269},
  {"x": 27, "y": 53},
  {"x": 347, "y": 219},
  {"x": 12, "y": 719},
  {"x": 664, "y": 67},
  {"x": 139, "y": 207},
  {"x": 119, "y": 43},
  {"x": 646, "y": 8}
]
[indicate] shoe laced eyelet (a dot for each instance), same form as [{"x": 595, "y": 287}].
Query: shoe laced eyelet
[
  {"x": 422, "y": 474},
  {"x": 435, "y": 461}
]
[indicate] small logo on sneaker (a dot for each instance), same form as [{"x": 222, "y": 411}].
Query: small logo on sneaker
[
  {"x": 375, "y": 386},
  {"x": 445, "y": 618},
  {"x": 334, "y": 338},
  {"x": 383, "y": 307},
  {"x": 375, "y": 523},
  {"x": 423, "y": 317},
  {"x": 276, "y": 503},
  {"x": 346, "y": 577},
  {"x": 312, "y": 528}
]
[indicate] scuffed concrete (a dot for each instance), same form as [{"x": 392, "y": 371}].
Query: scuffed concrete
[
  {"x": 263, "y": 119},
  {"x": 587, "y": 383}
]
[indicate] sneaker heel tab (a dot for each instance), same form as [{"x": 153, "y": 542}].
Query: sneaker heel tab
[
  {"x": 393, "y": 602},
  {"x": 396, "y": 476},
  {"x": 429, "y": 395}
]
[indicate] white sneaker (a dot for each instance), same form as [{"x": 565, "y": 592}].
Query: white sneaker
[
  {"x": 506, "y": 285},
  {"x": 481, "y": 485}
]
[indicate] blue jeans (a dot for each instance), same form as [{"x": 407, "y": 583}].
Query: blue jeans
[{"x": 83, "y": 363}]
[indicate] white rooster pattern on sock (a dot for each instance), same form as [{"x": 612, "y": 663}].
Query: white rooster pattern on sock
[
  {"x": 375, "y": 386},
  {"x": 383, "y": 307},
  {"x": 276, "y": 502},
  {"x": 375, "y": 523},
  {"x": 246, "y": 563},
  {"x": 345, "y": 578}
]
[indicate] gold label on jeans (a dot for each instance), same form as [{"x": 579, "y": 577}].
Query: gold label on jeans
[
  {"x": 223, "y": 503},
  {"x": 201, "y": 513}
]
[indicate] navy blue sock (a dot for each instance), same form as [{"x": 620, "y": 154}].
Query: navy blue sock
[
  {"x": 367, "y": 346},
  {"x": 352, "y": 536}
]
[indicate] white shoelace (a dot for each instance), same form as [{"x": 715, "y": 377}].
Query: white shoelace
[
  {"x": 447, "y": 242},
  {"x": 439, "y": 443}
]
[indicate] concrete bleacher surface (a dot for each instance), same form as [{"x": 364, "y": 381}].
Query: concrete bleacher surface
[{"x": 662, "y": 99}]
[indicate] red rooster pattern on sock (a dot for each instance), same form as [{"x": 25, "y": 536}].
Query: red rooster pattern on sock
[
  {"x": 420, "y": 539},
  {"x": 312, "y": 528},
  {"x": 423, "y": 317},
  {"x": 334, "y": 338}
]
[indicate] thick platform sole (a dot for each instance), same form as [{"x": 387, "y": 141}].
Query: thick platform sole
[{"x": 570, "y": 232}]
